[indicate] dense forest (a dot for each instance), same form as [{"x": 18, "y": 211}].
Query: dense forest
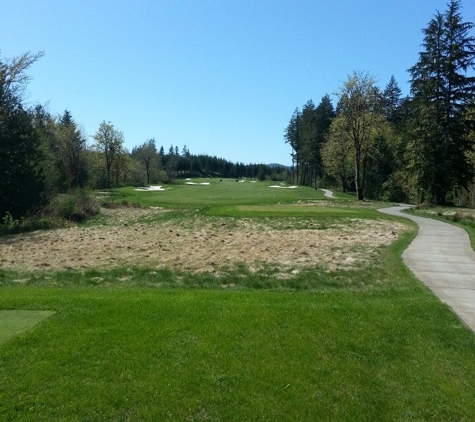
[
  {"x": 379, "y": 145},
  {"x": 375, "y": 143}
]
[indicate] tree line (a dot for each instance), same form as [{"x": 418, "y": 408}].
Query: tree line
[
  {"x": 420, "y": 148},
  {"x": 42, "y": 155}
]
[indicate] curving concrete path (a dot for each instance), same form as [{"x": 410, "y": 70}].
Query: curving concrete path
[{"x": 441, "y": 256}]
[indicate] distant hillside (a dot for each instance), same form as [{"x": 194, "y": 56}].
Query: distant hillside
[{"x": 272, "y": 165}]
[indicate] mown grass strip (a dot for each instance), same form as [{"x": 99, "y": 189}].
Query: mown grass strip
[
  {"x": 14, "y": 322},
  {"x": 154, "y": 354},
  {"x": 319, "y": 212}
]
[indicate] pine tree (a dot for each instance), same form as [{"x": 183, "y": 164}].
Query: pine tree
[
  {"x": 292, "y": 137},
  {"x": 70, "y": 151},
  {"x": 308, "y": 135},
  {"x": 325, "y": 113},
  {"x": 392, "y": 101},
  {"x": 442, "y": 91}
]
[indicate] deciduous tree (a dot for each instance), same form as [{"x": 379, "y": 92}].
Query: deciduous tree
[
  {"x": 359, "y": 106},
  {"x": 148, "y": 157},
  {"x": 109, "y": 141},
  {"x": 338, "y": 153}
]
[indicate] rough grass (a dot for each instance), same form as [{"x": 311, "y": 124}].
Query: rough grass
[{"x": 383, "y": 274}]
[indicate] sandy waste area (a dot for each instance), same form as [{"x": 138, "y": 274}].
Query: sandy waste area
[{"x": 198, "y": 244}]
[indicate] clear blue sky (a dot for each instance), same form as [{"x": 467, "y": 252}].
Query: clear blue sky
[{"x": 222, "y": 77}]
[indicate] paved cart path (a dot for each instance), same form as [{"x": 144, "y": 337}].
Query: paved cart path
[{"x": 442, "y": 258}]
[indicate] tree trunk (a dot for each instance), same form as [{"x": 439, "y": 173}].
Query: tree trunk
[{"x": 358, "y": 187}]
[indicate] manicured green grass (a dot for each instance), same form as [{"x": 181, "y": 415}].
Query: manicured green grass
[
  {"x": 14, "y": 322},
  {"x": 148, "y": 354},
  {"x": 279, "y": 211},
  {"x": 226, "y": 192}
]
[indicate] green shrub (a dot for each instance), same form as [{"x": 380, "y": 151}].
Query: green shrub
[
  {"x": 10, "y": 225},
  {"x": 34, "y": 222},
  {"x": 74, "y": 207}
]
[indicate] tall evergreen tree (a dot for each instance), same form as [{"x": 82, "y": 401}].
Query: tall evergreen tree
[
  {"x": 21, "y": 184},
  {"x": 442, "y": 90},
  {"x": 324, "y": 113},
  {"x": 308, "y": 139},
  {"x": 292, "y": 136},
  {"x": 315, "y": 123},
  {"x": 70, "y": 148},
  {"x": 391, "y": 101}
]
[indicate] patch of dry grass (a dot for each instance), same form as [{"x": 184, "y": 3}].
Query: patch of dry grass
[{"x": 199, "y": 244}]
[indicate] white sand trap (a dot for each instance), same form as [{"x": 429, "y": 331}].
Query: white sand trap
[
  {"x": 283, "y": 187},
  {"x": 193, "y": 183},
  {"x": 241, "y": 181},
  {"x": 328, "y": 193},
  {"x": 151, "y": 188},
  {"x": 253, "y": 181}
]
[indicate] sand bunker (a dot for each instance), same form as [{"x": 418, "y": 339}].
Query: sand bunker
[
  {"x": 151, "y": 188},
  {"x": 200, "y": 244},
  {"x": 283, "y": 187},
  {"x": 328, "y": 193},
  {"x": 193, "y": 183}
]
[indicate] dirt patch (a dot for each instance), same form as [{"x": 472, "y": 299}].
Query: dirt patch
[{"x": 199, "y": 244}]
